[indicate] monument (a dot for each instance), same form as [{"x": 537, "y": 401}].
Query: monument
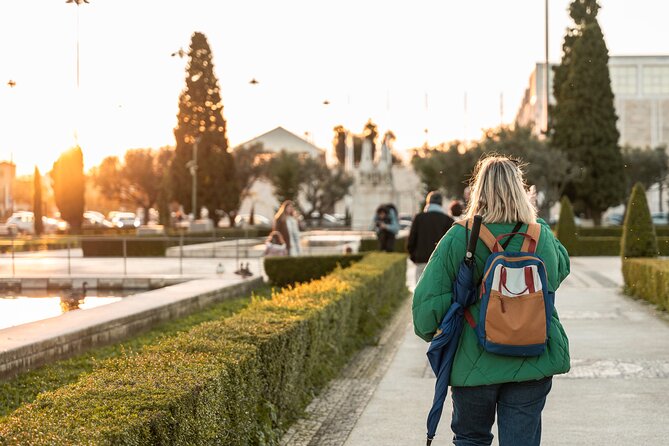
[{"x": 373, "y": 181}]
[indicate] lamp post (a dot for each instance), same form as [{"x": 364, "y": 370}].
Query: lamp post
[
  {"x": 78, "y": 3},
  {"x": 547, "y": 68},
  {"x": 192, "y": 166}
]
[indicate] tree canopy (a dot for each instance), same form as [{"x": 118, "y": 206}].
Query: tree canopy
[
  {"x": 201, "y": 128},
  {"x": 584, "y": 120}
]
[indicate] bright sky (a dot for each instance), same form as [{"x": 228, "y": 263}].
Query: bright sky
[{"x": 375, "y": 59}]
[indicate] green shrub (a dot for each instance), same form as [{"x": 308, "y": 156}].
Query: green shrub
[
  {"x": 284, "y": 271},
  {"x": 639, "y": 239},
  {"x": 608, "y": 246},
  {"x": 648, "y": 279},
  {"x": 566, "y": 230},
  {"x": 234, "y": 382},
  {"x": 372, "y": 244},
  {"x": 135, "y": 247}
]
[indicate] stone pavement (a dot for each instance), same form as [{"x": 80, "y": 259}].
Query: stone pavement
[{"x": 615, "y": 394}]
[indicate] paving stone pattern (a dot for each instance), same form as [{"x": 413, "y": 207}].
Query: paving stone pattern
[{"x": 330, "y": 417}]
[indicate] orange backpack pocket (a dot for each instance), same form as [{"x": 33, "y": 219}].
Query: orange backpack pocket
[{"x": 516, "y": 320}]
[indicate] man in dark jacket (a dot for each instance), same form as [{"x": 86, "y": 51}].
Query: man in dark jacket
[{"x": 427, "y": 228}]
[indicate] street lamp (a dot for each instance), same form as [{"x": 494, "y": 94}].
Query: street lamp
[
  {"x": 547, "y": 67},
  {"x": 192, "y": 167}
]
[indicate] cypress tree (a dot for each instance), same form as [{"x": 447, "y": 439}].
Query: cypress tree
[
  {"x": 69, "y": 183},
  {"x": 639, "y": 239},
  {"x": 566, "y": 230},
  {"x": 584, "y": 118},
  {"x": 201, "y": 119},
  {"x": 37, "y": 202}
]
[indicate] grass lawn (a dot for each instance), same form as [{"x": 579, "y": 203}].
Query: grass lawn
[{"x": 25, "y": 387}]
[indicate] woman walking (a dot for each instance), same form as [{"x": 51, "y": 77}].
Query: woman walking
[
  {"x": 285, "y": 222},
  {"x": 486, "y": 384}
]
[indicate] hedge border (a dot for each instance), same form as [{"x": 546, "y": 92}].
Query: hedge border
[
  {"x": 235, "y": 382},
  {"x": 648, "y": 279},
  {"x": 283, "y": 271}
]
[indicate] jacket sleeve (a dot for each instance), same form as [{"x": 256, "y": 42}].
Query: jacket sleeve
[
  {"x": 556, "y": 250},
  {"x": 434, "y": 292},
  {"x": 411, "y": 241},
  {"x": 394, "y": 226}
]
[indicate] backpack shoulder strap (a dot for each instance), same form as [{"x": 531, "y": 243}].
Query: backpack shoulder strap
[
  {"x": 485, "y": 235},
  {"x": 530, "y": 243}
]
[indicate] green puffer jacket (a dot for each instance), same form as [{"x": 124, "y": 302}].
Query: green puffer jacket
[{"x": 472, "y": 365}]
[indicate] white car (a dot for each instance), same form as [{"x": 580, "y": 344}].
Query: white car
[
  {"x": 124, "y": 220},
  {"x": 94, "y": 219},
  {"x": 23, "y": 222},
  {"x": 242, "y": 220}
]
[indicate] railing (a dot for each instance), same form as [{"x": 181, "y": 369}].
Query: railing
[{"x": 69, "y": 251}]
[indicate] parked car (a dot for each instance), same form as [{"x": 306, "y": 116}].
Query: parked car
[
  {"x": 405, "y": 220},
  {"x": 23, "y": 222},
  {"x": 124, "y": 220},
  {"x": 660, "y": 218},
  {"x": 95, "y": 220},
  {"x": 327, "y": 221},
  {"x": 614, "y": 219},
  {"x": 243, "y": 220}
]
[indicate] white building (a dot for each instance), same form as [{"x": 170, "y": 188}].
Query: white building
[
  {"x": 262, "y": 197},
  {"x": 640, "y": 85}
]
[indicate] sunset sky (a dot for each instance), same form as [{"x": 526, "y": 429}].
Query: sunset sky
[{"x": 370, "y": 59}]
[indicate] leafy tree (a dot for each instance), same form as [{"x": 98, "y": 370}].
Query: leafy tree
[
  {"x": 68, "y": 182},
  {"x": 339, "y": 144},
  {"x": 285, "y": 176},
  {"x": 323, "y": 186},
  {"x": 645, "y": 166},
  {"x": 566, "y": 230},
  {"x": 584, "y": 118},
  {"x": 547, "y": 169},
  {"x": 200, "y": 121},
  {"x": 37, "y": 202},
  {"x": 138, "y": 181},
  {"x": 250, "y": 165},
  {"x": 639, "y": 239},
  {"x": 445, "y": 167}
]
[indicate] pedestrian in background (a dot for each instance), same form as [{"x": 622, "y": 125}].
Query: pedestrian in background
[
  {"x": 456, "y": 208},
  {"x": 427, "y": 228},
  {"x": 386, "y": 225},
  {"x": 285, "y": 222}
]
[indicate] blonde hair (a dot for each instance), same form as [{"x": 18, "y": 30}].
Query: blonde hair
[
  {"x": 498, "y": 192},
  {"x": 282, "y": 210}
]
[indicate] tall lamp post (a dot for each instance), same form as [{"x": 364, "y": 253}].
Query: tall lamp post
[
  {"x": 78, "y": 3},
  {"x": 192, "y": 166},
  {"x": 546, "y": 70}
]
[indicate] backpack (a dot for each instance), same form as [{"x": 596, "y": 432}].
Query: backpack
[{"x": 516, "y": 305}]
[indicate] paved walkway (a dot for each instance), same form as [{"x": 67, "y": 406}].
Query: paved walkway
[{"x": 615, "y": 394}]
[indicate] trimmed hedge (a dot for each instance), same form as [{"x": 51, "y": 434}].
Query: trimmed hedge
[
  {"x": 639, "y": 239},
  {"x": 236, "y": 381},
  {"x": 615, "y": 231},
  {"x": 283, "y": 271},
  {"x": 608, "y": 246},
  {"x": 372, "y": 244},
  {"x": 135, "y": 247},
  {"x": 648, "y": 279},
  {"x": 566, "y": 230}
]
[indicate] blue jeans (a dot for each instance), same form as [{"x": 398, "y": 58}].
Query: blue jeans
[{"x": 518, "y": 406}]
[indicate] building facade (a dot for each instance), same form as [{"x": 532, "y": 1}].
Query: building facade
[
  {"x": 640, "y": 86},
  {"x": 261, "y": 198}
]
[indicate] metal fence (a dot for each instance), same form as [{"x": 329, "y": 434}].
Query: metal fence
[{"x": 65, "y": 253}]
